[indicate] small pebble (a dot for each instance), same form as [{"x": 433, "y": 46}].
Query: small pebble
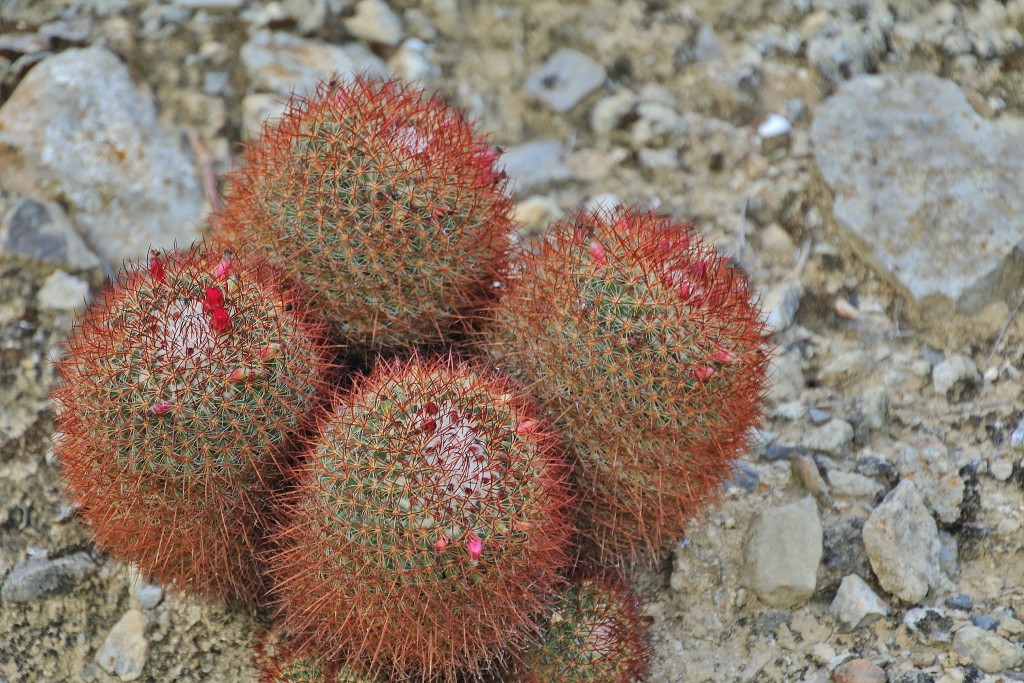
[
  {"x": 566, "y": 78},
  {"x": 773, "y": 126},
  {"x": 62, "y": 292},
  {"x": 856, "y": 604},
  {"x": 959, "y": 601},
  {"x": 818, "y": 416},
  {"x": 858, "y": 671},
  {"x": 984, "y": 621},
  {"x": 535, "y": 163},
  {"x": 125, "y": 650},
  {"x": 783, "y": 554},
  {"x": 956, "y": 378},
  {"x": 149, "y": 596},
  {"x": 375, "y": 22}
]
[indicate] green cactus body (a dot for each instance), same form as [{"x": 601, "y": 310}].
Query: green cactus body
[
  {"x": 182, "y": 386},
  {"x": 429, "y": 524},
  {"x": 645, "y": 346},
  {"x": 595, "y": 634},
  {"x": 279, "y": 662},
  {"x": 385, "y": 203}
]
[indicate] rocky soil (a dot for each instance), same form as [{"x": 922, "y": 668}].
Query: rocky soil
[{"x": 858, "y": 158}]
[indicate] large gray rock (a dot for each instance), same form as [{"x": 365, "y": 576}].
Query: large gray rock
[
  {"x": 80, "y": 131},
  {"x": 902, "y": 542},
  {"x": 43, "y": 233},
  {"x": 41, "y": 578},
  {"x": 926, "y": 190},
  {"x": 990, "y": 652},
  {"x": 126, "y": 649},
  {"x": 783, "y": 553},
  {"x": 566, "y": 78},
  {"x": 281, "y": 63}
]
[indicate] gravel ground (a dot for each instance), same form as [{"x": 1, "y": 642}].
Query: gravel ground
[{"x": 858, "y": 158}]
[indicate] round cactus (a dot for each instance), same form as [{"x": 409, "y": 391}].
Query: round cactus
[
  {"x": 279, "y": 662},
  {"x": 594, "y": 634},
  {"x": 428, "y": 525},
  {"x": 182, "y": 387},
  {"x": 384, "y": 202},
  {"x": 645, "y": 345}
]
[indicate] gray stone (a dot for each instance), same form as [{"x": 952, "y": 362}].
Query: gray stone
[
  {"x": 902, "y": 543},
  {"x": 375, "y": 22},
  {"x": 259, "y": 109},
  {"x": 609, "y": 112},
  {"x": 781, "y": 301},
  {"x": 566, "y": 78},
  {"x": 957, "y": 378},
  {"x": 930, "y": 624},
  {"x": 79, "y": 130},
  {"x": 786, "y": 371},
  {"x": 990, "y": 652},
  {"x": 281, "y": 63},
  {"x": 62, "y": 292},
  {"x": 843, "y": 47},
  {"x": 873, "y": 405},
  {"x": 41, "y": 578},
  {"x": 835, "y": 437},
  {"x": 148, "y": 595},
  {"x": 125, "y": 650},
  {"x": 926, "y": 462},
  {"x": 783, "y": 553},
  {"x": 856, "y": 605},
  {"x": 535, "y": 163},
  {"x": 853, "y": 485},
  {"x": 916, "y": 176},
  {"x": 42, "y": 232}
]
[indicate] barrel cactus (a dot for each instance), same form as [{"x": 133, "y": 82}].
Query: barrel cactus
[
  {"x": 646, "y": 346},
  {"x": 382, "y": 200},
  {"x": 428, "y": 525},
  {"x": 182, "y": 388},
  {"x": 594, "y": 634},
  {"x": 279, "y": 662}
]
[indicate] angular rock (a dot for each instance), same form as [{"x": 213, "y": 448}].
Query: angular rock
[
  {"x": 990, "y": 652},
  {"x": 926, "y": 462},
  {"x": 62, "y": 292},
  {"x": 41, "y": 578},
  {"x": 925, "y": 189},
  {"x": 902, "y": 542},
  {"x": 783, "y": 553},
  {"x": 856, "y": 605},
  {"x": 281, "y": 63},
  {"x": 375, "y": 22},
  {"x": 858, "y": 671},
  {"x": 125, "y": 650},
  {"x": 79, "y": 130},
  {"x": 566, "y": 78},
  {"x": 535, "y": 163},
  {"x": 835, "y": 437},
  {"x": 957, "y": 378},
  {"x": 42, "y": 232}
]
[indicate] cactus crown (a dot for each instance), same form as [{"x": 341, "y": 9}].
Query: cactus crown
[
  {"x": 191, "y": 345},
  {"x": 385, "y": 202}
]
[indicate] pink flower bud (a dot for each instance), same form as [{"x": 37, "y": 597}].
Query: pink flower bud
[
  {"x": 441, "y": 543},
  {"x": 156, "y": 268},
  {"x": 224, "y": 267},
  {"x": 161, "y": 407},
  {"x": 475, "y": 547},
  {"x": 724, "y": 356},
  {"x": 527, "y": 427},
  {"x": 703, "y": 372},
  {"x": 220, "y": 322},
  {"x": 213, "y": 300},
  {"x": 597, "y": 252}
]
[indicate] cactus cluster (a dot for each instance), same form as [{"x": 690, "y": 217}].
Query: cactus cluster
[{"x": 510, "y": 419}]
